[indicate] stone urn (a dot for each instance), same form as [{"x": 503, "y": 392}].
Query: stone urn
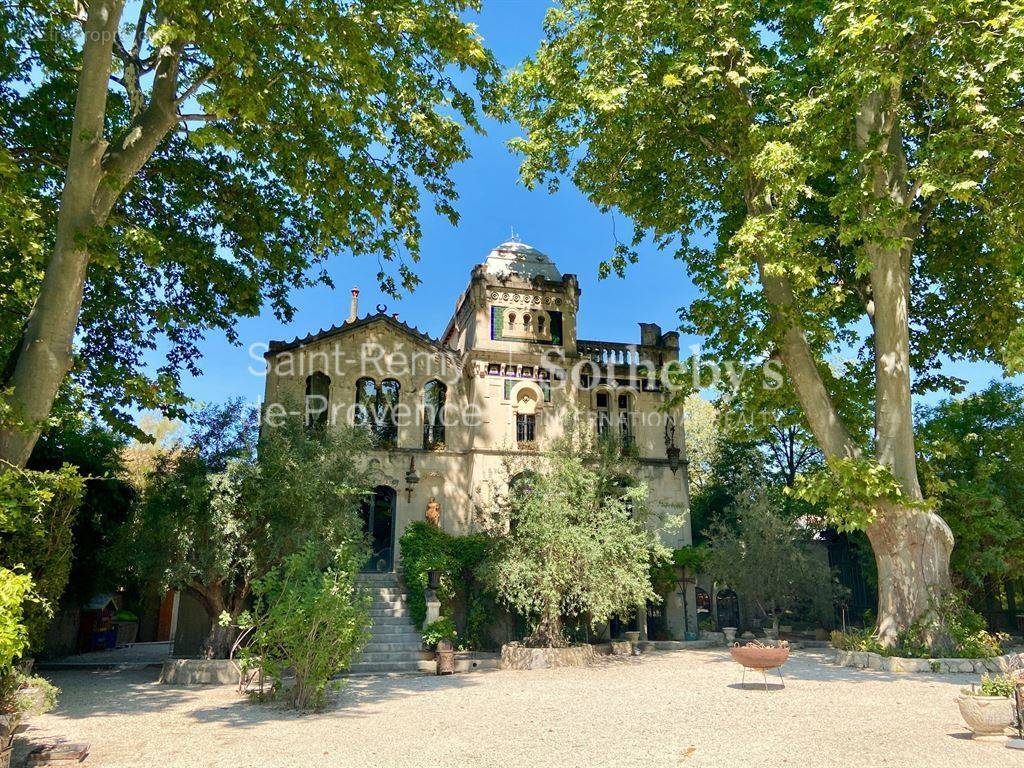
[
  {"x": 730, "y": 634},
  {"x": 986, "y": 716},
  {"x": 633, "y": 637}
]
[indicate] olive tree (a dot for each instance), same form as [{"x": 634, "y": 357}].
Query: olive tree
[{"x": 856, "y": 166}]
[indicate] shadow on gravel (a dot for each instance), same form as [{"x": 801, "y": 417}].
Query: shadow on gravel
[{"x": 356, "y": 698}]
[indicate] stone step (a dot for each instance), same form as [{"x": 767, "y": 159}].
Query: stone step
[
  {"x": 384, "y": 621},
  {"x": 388, "y": 657},
  {"x": 396, "y": 611},
  {"x": 387, "y": 595},
  {"x": 390, "y": 647},
  {"x": 378, "y": 578},
  {"x": 387, "y": 601},
  {"x": 377, "y": 668},
  {"x": 400, "y": 626}
]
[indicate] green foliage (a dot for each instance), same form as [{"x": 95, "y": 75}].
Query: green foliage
[
  {"x": 15, "y": 593},
  {"x": 96, "y": 452},
  {"x": 684, "y": 560},
  {"x": 949, "y": 617},
  {"x": 22, "y": 694},
  {"x": 849, "y": 491},
  {"x": 579, "y": 545},
  {"x": 309, "y": 620},
  {"x": 972, "y": 451},
  {"x": 459, "y": 561},
  {"x": 214, "y": 521},
  {"x": 997, "y": 685},
  {"x": 37, "y": 516},
  {"x": 309, "y": 129},
  {"x": 768, "y": 560},
  {"x": 438, "y": 630}
]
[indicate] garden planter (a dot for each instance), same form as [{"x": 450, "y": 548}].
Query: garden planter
[
  {"x": 730, "y": 634},
  {"x": 633, "y": 637},
  {"x": 517, "y": 656},
  {"x": 986, "y": 716},
  {"x": 445, "y": 658},
  {"x": 127, "y": 631},
  {"x": 760, "y": 656}
]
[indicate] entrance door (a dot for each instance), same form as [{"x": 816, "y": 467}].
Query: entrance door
[{"x": 378, "y": 516}]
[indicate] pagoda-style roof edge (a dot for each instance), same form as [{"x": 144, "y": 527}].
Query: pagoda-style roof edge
[{"x": 277, "y": 347}]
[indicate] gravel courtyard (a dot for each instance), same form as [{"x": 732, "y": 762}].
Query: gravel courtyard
[{"x": 671, "y": 709}]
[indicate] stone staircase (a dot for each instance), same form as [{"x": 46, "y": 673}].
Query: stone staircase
[{"x": 395, "y": 643}]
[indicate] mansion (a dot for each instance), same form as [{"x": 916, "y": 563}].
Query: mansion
[{"x": 449, "y": 415}]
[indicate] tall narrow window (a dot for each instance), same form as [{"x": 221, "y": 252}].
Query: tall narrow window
[
  {"x": 625, "y": 421},
  {"x": 604, "y": 418},
  {"x": 526, "y": 427},
  {"x": 435, "y": 395},
  {"x": 387, "y": 405},
  {"x": 366, "y": 403},
  {"x": 318, "y": 399}
]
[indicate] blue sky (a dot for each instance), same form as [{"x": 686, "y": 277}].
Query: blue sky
[{"x": 492, "y": 201}]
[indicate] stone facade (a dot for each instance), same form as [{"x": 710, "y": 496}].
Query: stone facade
[{"x": 508, "y": 369}]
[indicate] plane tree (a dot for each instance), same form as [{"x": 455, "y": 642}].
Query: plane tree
[
  {"x": 171, "y": 165},
  {"x": 856, "y": 167}
]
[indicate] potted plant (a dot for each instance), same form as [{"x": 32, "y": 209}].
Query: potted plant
[
  {"x": 21, "y": 695},
  {"x": 988, "y": 711},
  {"x": 440, "y": 635}
]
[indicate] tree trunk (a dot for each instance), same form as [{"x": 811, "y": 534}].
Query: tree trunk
[
  {"x": 45, "y": 355},
  {"x": 218, "y": 643},
  {"x": 912, "y": 549},
  {"x": 93, "y": 183}
]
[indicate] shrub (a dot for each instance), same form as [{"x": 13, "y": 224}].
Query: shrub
[
  {"x": 438, "y": 630},
  {"x": 579, "y": 546},
  {"x": 998, "y": 685},
  {"x": 15, "y": 592},
  {"x": 459, "y": 560},
  {"x": 37, "y": 513},
  {"x": 963, "y": 628},
  {"x": 309, "y": 619}
]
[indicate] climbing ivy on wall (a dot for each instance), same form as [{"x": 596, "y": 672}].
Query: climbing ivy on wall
[{"x": 459, "y": 559}]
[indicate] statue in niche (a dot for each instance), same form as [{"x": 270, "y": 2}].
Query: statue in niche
[{"x": 433, "y": 514}]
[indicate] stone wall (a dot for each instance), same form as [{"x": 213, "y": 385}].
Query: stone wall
[
  {"x": 516, "y": 656},
  {"x": 866, "y": 660}
]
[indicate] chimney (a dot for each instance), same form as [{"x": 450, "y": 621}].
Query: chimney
[{"x": 353, "y": 311}]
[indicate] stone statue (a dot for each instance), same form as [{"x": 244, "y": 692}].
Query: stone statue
[{"x": 434, "y": 512}]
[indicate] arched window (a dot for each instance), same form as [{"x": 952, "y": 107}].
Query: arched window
[
  {"x": 728, "y": 608},
  {"x": 318, "y": 399},
  {"x": 387, "y": 405},
  {"x": 366, "y": 402},
  {"x": 376, "y": 410},
  {"x": 541, "y": 322},
  {"x": 526, "y": 321},
  {"x": 511, "y": 319},
  {"x": 435, "y": 395}
]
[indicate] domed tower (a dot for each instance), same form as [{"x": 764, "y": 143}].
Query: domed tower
[{"x": 517, "y": 302}]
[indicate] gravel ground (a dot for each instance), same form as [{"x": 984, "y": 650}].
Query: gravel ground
[{"x": 684, "y": 708}]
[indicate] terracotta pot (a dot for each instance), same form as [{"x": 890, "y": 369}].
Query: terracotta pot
[
  {"x": 757, "y": 657},
  {"x": 986, "y": 715}
]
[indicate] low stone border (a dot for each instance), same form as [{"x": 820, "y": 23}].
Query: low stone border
[
  {"x": 199, "y": 672},
  {"x": 866, "y": 660},
  {"x": 516, "y": 656}
]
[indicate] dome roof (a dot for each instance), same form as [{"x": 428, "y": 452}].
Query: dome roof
[{"x": 517, "y": 258}]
